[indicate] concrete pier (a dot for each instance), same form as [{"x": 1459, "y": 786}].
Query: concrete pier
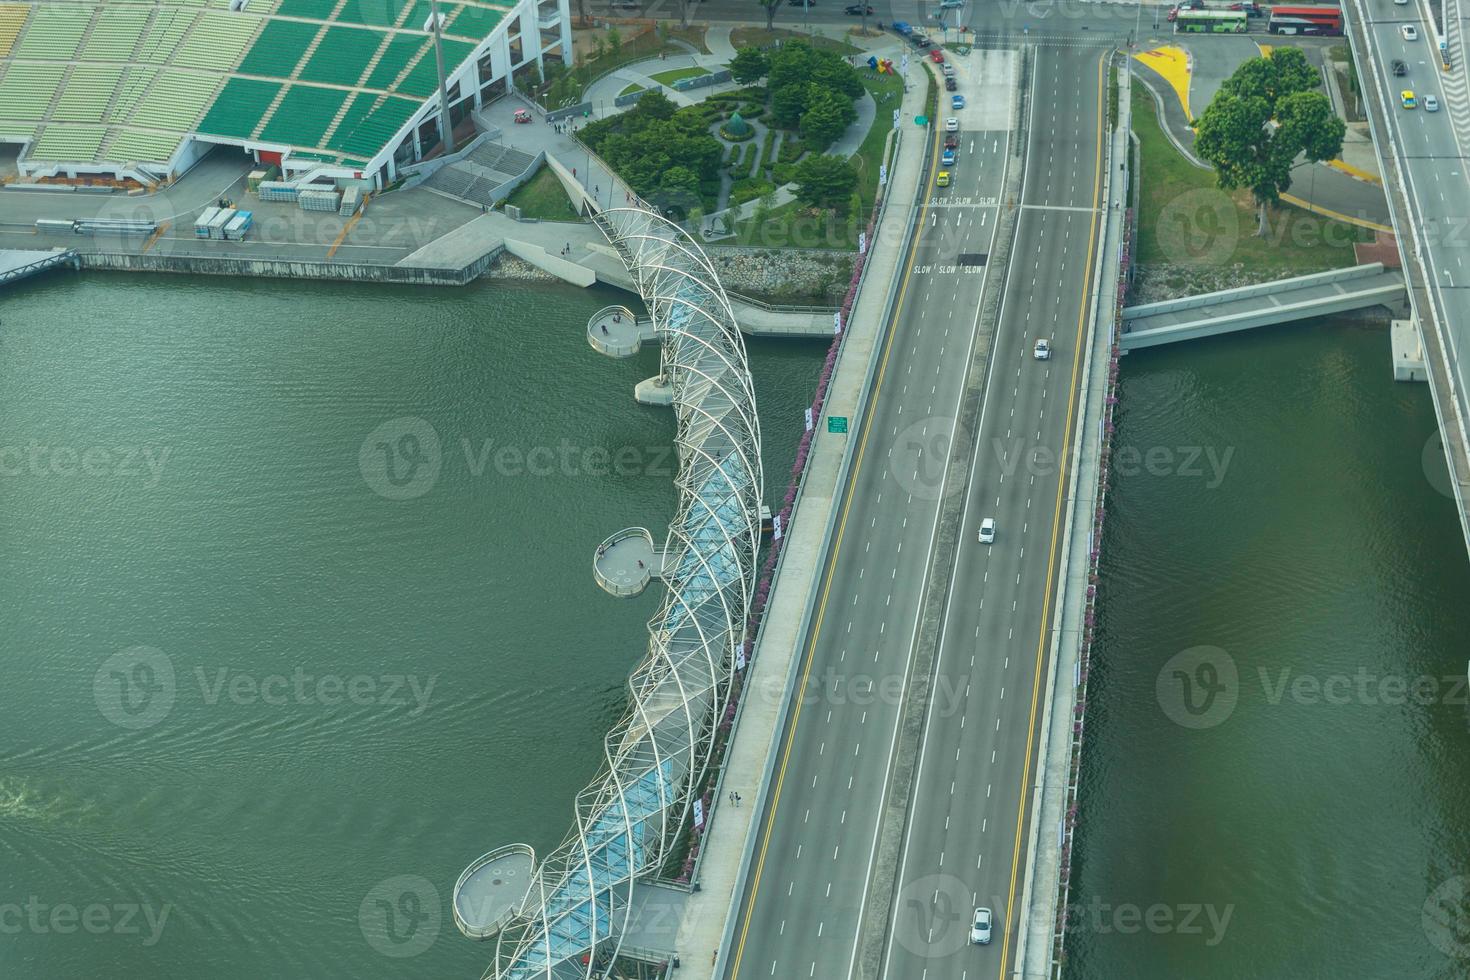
[{"x": 1408, "y": 351}]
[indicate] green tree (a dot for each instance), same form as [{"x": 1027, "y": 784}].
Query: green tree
[
  {"x": 787, "y": 105},
  {"x": 1238, "y": 137},
  {"x": 825, "y": 181},
  {"x": 678, "y": 190},
  {"x": 614, "y": 41},
  {"x": 1284, "y": 73},
  {"x": 749, "y": 65},
  {"x": 827, "y": 117}
]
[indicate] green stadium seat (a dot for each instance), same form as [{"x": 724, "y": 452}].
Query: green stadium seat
[
  {"x": 367, "y": 137},
  {"x": 136, "y": 146},
  {"x": 115, "y": 34},
  {"x": 26, "y": 90},
  {"x": 303, "y": 115},
  {"x": 278, "y": 49},
  {"x": 396, "y": 56},
  {"x": 239, "y": 107},
  {"x": 217, "y": 41},
  {"x": 12, "y": 22},
  {"x": 175, "y": 101},
  {"x": 423, "y": 79},
  {"x": 316, "y": 9},
  {"x": 342, "y": 56}
]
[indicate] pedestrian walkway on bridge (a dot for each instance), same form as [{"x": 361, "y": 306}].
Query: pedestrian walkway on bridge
[{"x": 1266, "y": 304}]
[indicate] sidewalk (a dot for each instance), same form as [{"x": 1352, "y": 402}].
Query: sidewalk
[{"x": 704, "y": 935}]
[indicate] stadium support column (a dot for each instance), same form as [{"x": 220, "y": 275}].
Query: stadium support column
[
  {"x": 446, "y": 127},
  {"x": 568, "y": 53}
]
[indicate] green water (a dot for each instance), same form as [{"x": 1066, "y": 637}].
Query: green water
[
  {"x": 366, "y": 692},
  {"x": 1310, "y": 821}
]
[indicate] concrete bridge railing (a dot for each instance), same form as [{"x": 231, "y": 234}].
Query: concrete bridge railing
[{"x": 1260, "y": 289}]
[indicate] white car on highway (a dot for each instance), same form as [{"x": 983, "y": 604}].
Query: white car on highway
[
  {"x": 1042, "y": 351},
  {"x": 1431, "y": 104},
  {"x": 987, "y": 531},
  {"x": 1410, "y": 32},
  {"x": 951, "y": 125},
  {"x": 980, "y": 927}
]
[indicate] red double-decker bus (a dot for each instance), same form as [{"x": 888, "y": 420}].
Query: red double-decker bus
[{"x": 1305, "y": 20}]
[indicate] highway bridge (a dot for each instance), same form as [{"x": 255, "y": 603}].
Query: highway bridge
[
  {"x": 902, "y": 803},
  {"x": 1423, "y": 158}
]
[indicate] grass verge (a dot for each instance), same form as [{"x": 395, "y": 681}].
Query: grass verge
[
  {"x": 543, "y": 197},
  {"x": 744, "y": 37},
  {"x": 1185, "y": 219},
  {"x": 674, "y": 74}
]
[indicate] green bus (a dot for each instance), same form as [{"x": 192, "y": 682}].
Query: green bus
[{"x": 1210, "y": 22}]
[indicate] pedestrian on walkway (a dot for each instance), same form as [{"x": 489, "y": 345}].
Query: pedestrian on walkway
[
  {"x": 731, "y": 796},
  {"x": 640, "y": 563}
]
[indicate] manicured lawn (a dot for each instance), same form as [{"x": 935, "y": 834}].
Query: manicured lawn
[
  {"x": 635, "y": 87},
  {"x": 674, "y": 74},
  {"x": 543, "y": 197},
  {"x": 887, "y": 92},
  {"x": 1186, "y": 220}
]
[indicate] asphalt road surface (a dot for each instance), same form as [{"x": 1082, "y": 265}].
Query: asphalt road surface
[
  {"x": 965, "y": 842},
  {"x": 800, "y": 913},
  {"x": 1433, "y": 150}
]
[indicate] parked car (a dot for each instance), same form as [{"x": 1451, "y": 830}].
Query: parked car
[
  {"x": 1431, "y": 104},
  {"x": 950, "y": 85},
  {"x": 956, "y": 101},
  {"x": 1410, "y": 32},
  {"x": 1399, "y": 68}
]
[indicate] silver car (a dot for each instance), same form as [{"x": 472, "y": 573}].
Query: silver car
[{"x": 980, "y": 927}]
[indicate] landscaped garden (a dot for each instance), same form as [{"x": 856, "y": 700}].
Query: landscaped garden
[{"x": 543, "y": 198}]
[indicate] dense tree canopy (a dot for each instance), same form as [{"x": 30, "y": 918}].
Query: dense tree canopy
[
  {"x": 666, "y": 153},
  {"x": 749, "y": 65},
  {"x": 1266, "y": 115},
  {"x": 826, "y": 181}
]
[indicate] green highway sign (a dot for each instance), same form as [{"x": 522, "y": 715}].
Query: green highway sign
[
  {"x": 837, "y": 423},
  {"x": 921, "y": 120}
]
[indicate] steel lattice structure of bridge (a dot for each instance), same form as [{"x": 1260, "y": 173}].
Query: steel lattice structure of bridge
[{"x": 628, "y": 819}]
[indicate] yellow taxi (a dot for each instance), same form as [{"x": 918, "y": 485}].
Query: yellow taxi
[
  {"x": 1408, "y": 100},
  {"x": 942, "y": 179}
]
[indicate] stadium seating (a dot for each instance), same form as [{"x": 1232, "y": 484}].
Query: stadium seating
[
  {"x": 217, "y": 41},
  {"x": 127, "y": 81},
  {"x": 342, "y": 55},
  {"x": 303, "y": 115},
  {"x": 87, "y": 93},
  {"x": 115, "y": 34},
  {"x": 240, "y": 106}
]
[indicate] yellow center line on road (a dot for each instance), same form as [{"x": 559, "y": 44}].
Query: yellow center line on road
[
  {"x": 1056, "y": 521},
  {"x": 836, "y": 550}
]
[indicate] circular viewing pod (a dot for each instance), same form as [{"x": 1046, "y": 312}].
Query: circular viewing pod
[{"x": 491, "y": 889}]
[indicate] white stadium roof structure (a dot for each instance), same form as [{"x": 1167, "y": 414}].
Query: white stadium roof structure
[{"x": 113, "y": 86}]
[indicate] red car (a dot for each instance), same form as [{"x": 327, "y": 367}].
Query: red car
[{"x": 936, "y": 56}]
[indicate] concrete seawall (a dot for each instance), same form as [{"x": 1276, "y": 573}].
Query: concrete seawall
[{"x": 287, "y": 269}]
